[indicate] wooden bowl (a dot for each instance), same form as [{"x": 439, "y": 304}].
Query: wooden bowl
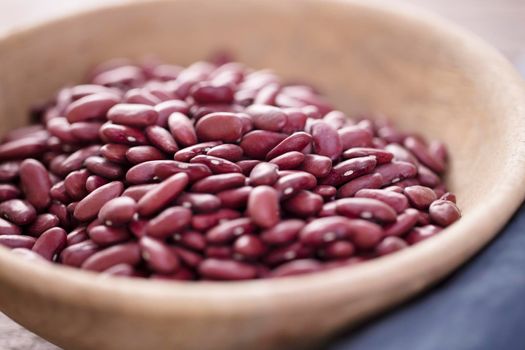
[{"x": 421, "y": 71}]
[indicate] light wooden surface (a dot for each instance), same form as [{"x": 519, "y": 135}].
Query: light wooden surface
[{"x": 499, "y": 22}]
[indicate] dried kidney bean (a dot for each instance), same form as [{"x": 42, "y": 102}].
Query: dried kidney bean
[{"x": 214, "y": 211}]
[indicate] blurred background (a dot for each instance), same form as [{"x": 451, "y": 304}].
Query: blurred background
[{"x": 500, "y": 22}]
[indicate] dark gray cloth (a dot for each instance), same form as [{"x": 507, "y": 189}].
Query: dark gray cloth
[{"x": 480, "y": 307}]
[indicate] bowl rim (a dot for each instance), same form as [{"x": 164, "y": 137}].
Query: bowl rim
[{"x": 409, "y": 267}]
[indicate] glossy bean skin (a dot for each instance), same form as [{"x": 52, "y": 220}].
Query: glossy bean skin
[
  {"x": 75, "y": 254},
  {"x": 162, "y": 139},
  {"x": 289, "y": 160},
  {"x": 256, "y": 144},
  {"x": 382, "y": 156},
  {"x": 106, "y": 236},
  {"x": 423, "y": 155},
  {"x": 405, "y": 221},
  {"x": 266, "y": 117},
  {"x": 396, "y": 171},
  {"x": 264, "y": 174},
  {"x": 159, "y": 257},
  {"x": 366, "y": 208},
  {"x": 50, "y": 243},
  {"x": 182, "y": 129},
  {"x": 220, "y": 126},
  {"x": 326, "y": 140},
  {"x": 17, "y": 241},
  {"x": 230, "y": 152},
  {"x": 169, "y": 221},
  {"x": 419, "y": 234},
  {"x": 444, "y": 212},
  {"x": 114, "y": 152},
  {"x": 75, "y": 184},
  {"x": 128, "y": 253},
  {"x": 145, "y": 172},
  {"x": 283, "y": 232},
  {"x": 91, "y": 106},
  {"x": 217, "y": 165},
  {"x": 420, "y": 196},
  {"x": 235, "y": 198},
  {"x": 199, "y": 202},
  {"x": 218, "y": 183},
  {"x": 263, "y": 206},
  {"x": 36, "y": 183},
  {"x": 18, "y": 211},
  {"x": 195, "y": 171},
  {"x": 141, "y": 154},
  {"x": 118, "y": 211},
  {"x": 390, "y": 245},
  {"x": 297, "y": 267},
  {"x": 290, "y": 184},
  {"x": 203, "y": 222},
  {"x": 121, "y": 134},
  {"x": 166, "y": 192},
  {"x": 186, "y": 154},
  {"x": 22, "y": 148},
  {"x": 136, "y": 115},
  {"x": 42, "y": 223},
  {"x": 249, "y": 246},
  {"x": 395, "y": 200},
  {"x": 349, "y": 170},
  {"x": 228, "y": 230},
  {"x": 90, "y": 205},
  {"x": 226, "y": 270},
  {"x": 318, "y": 166},
  {"x": 304, "y": 204}
]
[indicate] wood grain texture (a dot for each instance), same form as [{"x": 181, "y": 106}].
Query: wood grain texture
[{"x": 500, "y": 22}]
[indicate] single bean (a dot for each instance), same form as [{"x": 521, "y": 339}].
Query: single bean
[
  {"x": 448, "y": 197},
  {"x": 118, "y": 211},
  {"x": 94, "y": 181},
  {"x": 42, "y": 223},
  {"x": 444, "y": 212},
  {"x": 404, "y": 223},
  {"x": 324, "y": 230},
  {"x": 22, "y": 148},
  {"x": 91, "y": 106},
  {"x": 249, "y": 246},
  {"x": 228, "y": 230},
  {"x": 295, "y": 120},
  {"x": 127, "y": 253},
  {"x": 194, "y": 171},
  {"x": 191, "y": 239},
  {"x": 182, "y": 129},
  {"x": 106, "y": 236},
  {"x": 328, "y": 209},
  {"x": 366, "y": 208},
  {"x": 326, "y": 140},
  {"x": 220, "y": 126},
  {"x": 263, "y": 206},
  {"x": 296, "y": 267},
  {"x": 336, "y": 119},
  {"x": 186, "y": 154},
  {"x": 289, "y": 160},
  {"x": 17, "y": 241},
  {"x": 401, "y": 154},
  {"x": 138, "y": 191},
  {"x": 145, "y": 172},
  {"x": 325, "y": 191},
  {"x": 114, "y": 152},
  {"x": 159, "y": 257},
  {"x": 76, "y": 160},
  {"x": 349, "y": 170},
  {"x": 218, "y": 183},
  {"x": 286, "y": 231},
  {"x": 161, "y": 195},
  {"x": 19, "y": 212},
  {"x": 264, "y": 174},
  {"x": 235, "y": 198},
  {"x": 121, "y": 134},
  {"x": 290, "y": 184},
  {"x": 162, "y": 139},
  {"x": 169, "y": 221},
  {"x": 395, "y": 200},
  {"x": 9, "y": 170},
  {"x": 138, "y": 227},
  {"x": 267, "y": 117},
  {"x": 166, "y": 108},
  {"x": 396, "y": 171},
  {"x": 338, "y": 250},
  {"x": 427, "y": 177},
  {"x": 188, "y": 257},
  {"x": 390, "y": 245},
  {"x": 382, "y": 156},
  {"x": 217, "y": 165},
  {"x": 8, "y": 191},
  {"x": 304, "y": 204},
  {"x": 355, "y": 136},
  {"x": 77, "y": 235},
  {"x": 267, "y": 94},
  {"x": 141, "y": 154},
  {"x": 86, "y": 131},
  {"x": 203, "y": 222},
  {"x": 90, "y": 205},
  {"x": 60, "y": 128},
  {"x": 60, "y": 211},
  {"x": 50, "y": 243},
  {"x": 75, "y": 184},
  {"x": 418, "y": 234},
  {"x": 199, "y": 202},
  {"x": 247, "y": 165},
  {"x": 141, "y": 96},
  {"x": 136, "y": 115},
  {"x": 420, "y": 196},
  {"x": 36, "y": 183},
  {"x": 226, "y": 270},
  {"x": 296, "y": 250},
  {"x": 256, "y": 144},
  {"x": 318, "y": 166},
  {"x": 230, "y": 152},
  {"x": 423, "y": 155}
]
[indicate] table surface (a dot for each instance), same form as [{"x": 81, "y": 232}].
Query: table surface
[{"x": 500, "y": 22}]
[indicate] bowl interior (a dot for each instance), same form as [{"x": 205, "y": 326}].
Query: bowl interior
[{"x": 425, "y": 75}]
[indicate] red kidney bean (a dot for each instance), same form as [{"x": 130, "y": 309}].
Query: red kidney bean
[
  {"x": 126, "y": 135},
  {"x": 401, "y": 154},
  {"x": 162, "y": 139},
  {"x": 396, "y": 171},
  {"x": 199, "y": 111},
  {"x": 297, "y": 267},
  {"x": 182, "y": 129},
  {"x": 206, "y": 92},
  {"x": 138, "y": 227},
  {"x": 166, "y": 108},
  {"x": 290, "y": 184},
  {"x": 405, "y": 222},
  {"x": 328, "y": 209},
  {"x": 438, "y": 150},
  {"x": 76, "y": 160},
  {"x": 199, "y": 202},
  {"x": 186, "y": 154},
  {"x": 355, "y": 136},
  {"x": 439, "y": 190},
  {"x": 77, "y": 235},
  {"x": 90, "y": 205},
  {"x": 220, "y": 126},
  {"x": 75, "y": 184},
  {"x": 319, "y": 166},
  {"x": 218, "y": 183},
  {"x": 444, "y": 212},
  {"x": 219, "y": 252},
  {"x": 141, "y": 96},
  {"x": 188, "y": 257},
  {"x": 235, "y": 198},
  {"x": 407, "y": 183},
  {"x": 390, "y": 245},
  {"x": 448, "y": 197},
  {"x": 127, "y": 253},
  {"x": 9, "y": 170},
  {"x": 338, "y": 250},
  {"x": 295, "y": 120},
  {"x": 264, "y": 174},
  {"x": 120, "y": 270},
  {"x": 427, "y": 177},
  {"x": 365, "y": 234},
  {"x": 267, "y": 94},
  {"x": 25, "y": 131},
  {"x": 18, "y": 211},
  {"x": 230, "y": 152},
  {"x": 161, "y": 195},
  {"x": 349, "y": 169},
  {"x": 145, "y": 172},
  {"x": 50, "y": 243},
  {"x": 295, "y": 142},
  {"x": 60, "y": 211},
  {"x": 79, "y": 91},
  {"x": 370, "y": 181},
  {"x": 290, "y": 252},
  {"x": 228, "y": 230},
  {"x": 94, "y": 181},
  {"x": 86, "y": 131},
  {"x": 226, "y": 270},
  {"x": 158, "y": 256},
  {"x": 91, "y": 106},
  {"x": 382, "y": 156},
  {"x": 118, "y": 211},
  {"x": 8, "y": 191},
  {"x": 114, "y": 152},
  {"x": 325, "y": 230},
  {"x": 419, "y": 234},
  {"x": 325, "y": 191},
  {"x": 17, "y": 241},
  {"x": 42, "y": 223},
  {"x": 22, "y": 148},
  {"x": 247, "y": 165},
  {"x": 75, "y": 254},
  {"x": 169, "y": 221},
  {"x": 118, "y": 73},
  {"x": 36, "y": 183},
  {"x": 194, "y": 171},
  {"x": 105, "y": 236},
  {"x": 141, "y": 154},
  {"x": 217, "y": 165},
  {"x": 263, "y": 206},
  {"x": 395, "y": 200},
  {"x": 336, "y": 119},
  {"x": 304, "y": 204},
  {"x": 60, "y": 128},
  {"x": 249, "y": 246},
  {"x": 257, "y": 143},
  {"x": 136, "y": 115},
  {"x": 191, "y": 239},
  {"x": 366, "y": 208},
  {"x": 420, "y": 150},
  {"x": 247, "y": 123},
  {"x": 289, "y": 160},
  {"x": 138, "y": 191},
  {"x": 283, "y": 232},
  {"x": 267, "y": 117},
  {"x": 203, "y": 222},
  {"x": 420, "y": 196},
  {"x": 326, "y": 140}
]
